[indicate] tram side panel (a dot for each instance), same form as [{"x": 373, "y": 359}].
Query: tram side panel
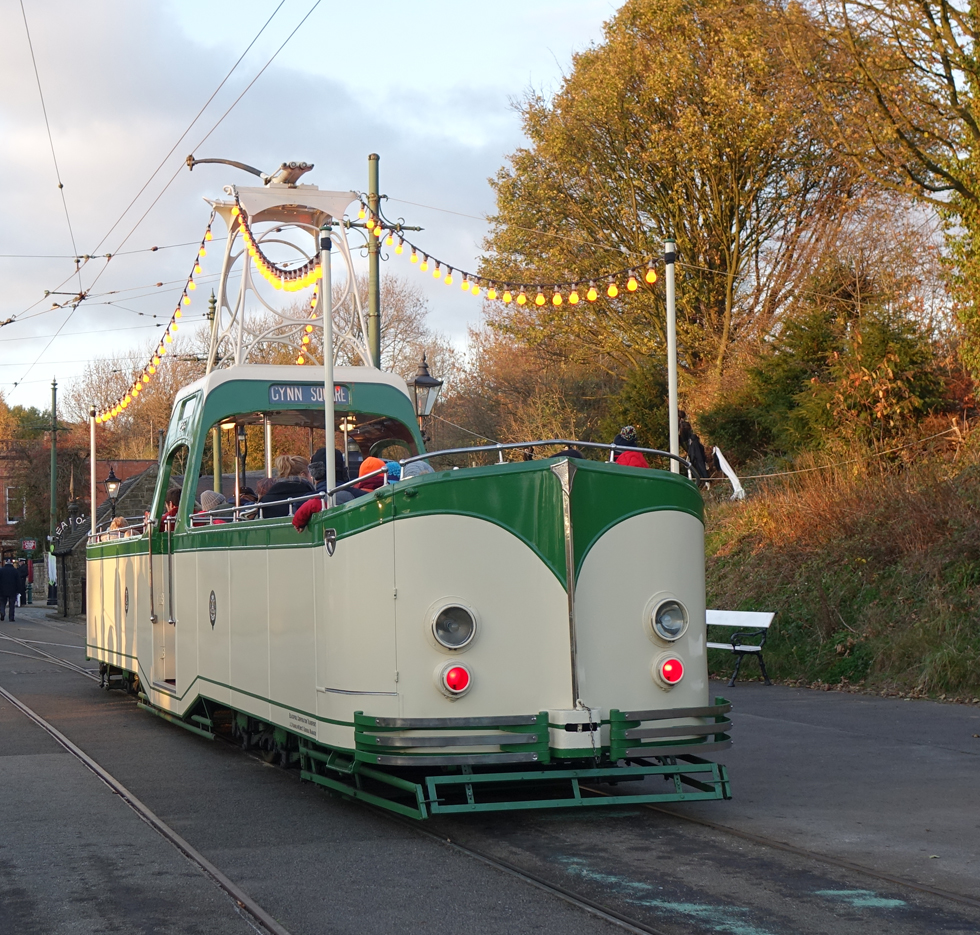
[
  {"x": 214, "y": 624},
  {"x": 631, "y": 570},
  {"x": 519, "y": 657},
  {"x": 292, "y": 589},
  {"x": 248, "y": 623},
  {"x": 356, "y": 662}
]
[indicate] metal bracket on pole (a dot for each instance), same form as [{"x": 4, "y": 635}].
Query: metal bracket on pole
[{"x": 670, "y": 259}]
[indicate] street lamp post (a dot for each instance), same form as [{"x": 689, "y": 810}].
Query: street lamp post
[
  {"x": 425, "y": 390},
  {"x": 112, "y": 484}
]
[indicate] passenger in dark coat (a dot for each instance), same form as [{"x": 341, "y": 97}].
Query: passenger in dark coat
[
  {"x": 294, "y": 481},
  {"x": 9, "y": 589}
]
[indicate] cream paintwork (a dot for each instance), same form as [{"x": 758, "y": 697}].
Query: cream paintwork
[
  {"x": 659, "y": 552},
  {"x": 519, "y": 657},
  {"x": 293, "y": 622}
]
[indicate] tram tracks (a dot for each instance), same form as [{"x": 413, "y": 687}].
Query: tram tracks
[{"x": 569, "y": 896}]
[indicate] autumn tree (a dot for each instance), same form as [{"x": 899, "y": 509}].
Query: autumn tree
[
  {"x": 899, "y": 83},
  {"x": 686, "y": 120}
]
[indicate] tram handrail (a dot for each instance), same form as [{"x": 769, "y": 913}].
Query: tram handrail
[{"x": 207, "y": 518}]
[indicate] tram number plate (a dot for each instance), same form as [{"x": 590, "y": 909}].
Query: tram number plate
[
  {"x": 302, "y": 723},
  {"x": 306, "y": 393}
]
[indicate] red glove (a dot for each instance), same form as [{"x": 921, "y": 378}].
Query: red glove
[{"x": 302, "y": 516}]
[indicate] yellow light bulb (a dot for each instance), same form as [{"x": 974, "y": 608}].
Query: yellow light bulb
[
  {"x": 651, "y": 276},
  {"x": 191, "y": 284},
  {"x": 309, "y": 329},
  {"x": 400, "y": 247},
  {"x": 522, "y": 299},
  {"x": 168, "y": 339},
  {"x": 146, "y": 379},
  {"x": 197, "y": 268},
  {"x": 202, "y": 252},
  {"x": 437, "y": 273},
  {"x": 136, "y": 390},
  {"x": 302, "y": 360},
  {"x": 152, "y": 369},
  {"x": 632, "y": 284},
  {"x": 592, "y": 295},
  {"x": 178, "y": 313},
  {"x": 360, "y": 214},
  {"x": 539, "y": 299},
  {"x": 449, "y": 279},
  {"x": 235, "y": 211},
  {"x": 98, "y": 421},
  {"x": 508, "y": 298},
  {"x": 491, "y": 295},
  {"x": 389, "y": 240},
  {"x": 466, "y": 285},
  {"x": 163, "y": 347},
  {"x": 573, "y": 297},
  {"x": 424, "y": 266},
  {"x": 306, "y": 339},
  {"x": 173, "y": 326},
  {"x": 414, "y": 259},
  {"x": 556, "y": 299},
  {"x": 209, "y": 235},
  {"x": 613, "y": 290},
  {"x": 187, "y": 300},
  {"x": 126, "y": 401},
  {"x": 369, "y": 224},
  {"x": 475, "y": 289}
]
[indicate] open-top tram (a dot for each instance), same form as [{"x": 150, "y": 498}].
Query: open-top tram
[
  {"x": 483, "y": 636},
  {"x": 477, "y": 637}
]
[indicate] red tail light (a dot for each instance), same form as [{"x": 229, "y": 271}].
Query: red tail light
[
  {"x": 457, "y": 679},
  {"x": 672, "y": 670}
]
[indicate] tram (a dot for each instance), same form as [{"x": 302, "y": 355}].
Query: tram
[{"x": 491, "y": 634}]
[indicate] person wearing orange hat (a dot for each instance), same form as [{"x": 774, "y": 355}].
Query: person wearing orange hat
[{"x": 367, "y": 484}]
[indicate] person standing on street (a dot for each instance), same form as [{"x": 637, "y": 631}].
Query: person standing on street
[
  {"x": 9, "y": 588},
  {"x": 22, "y": 573}
]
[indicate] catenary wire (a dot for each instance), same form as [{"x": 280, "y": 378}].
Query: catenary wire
[{"x": 47, "y": 126}]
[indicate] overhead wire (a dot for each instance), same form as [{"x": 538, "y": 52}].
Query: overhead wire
[
  {"x": 54, "y": 157},
  {"x": 174, "y": 176}
]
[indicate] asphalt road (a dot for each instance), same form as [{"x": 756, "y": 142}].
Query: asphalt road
[{"x": 880, "y": 782}]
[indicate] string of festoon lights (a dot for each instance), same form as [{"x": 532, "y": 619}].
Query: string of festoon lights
[
  {"x": 151, "y": 366},
  {"x": 610, "y": 284},
  {"x": 294, "y": 279}
]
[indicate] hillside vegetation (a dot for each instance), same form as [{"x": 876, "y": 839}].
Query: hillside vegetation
[{"x": 873, "y": 569}]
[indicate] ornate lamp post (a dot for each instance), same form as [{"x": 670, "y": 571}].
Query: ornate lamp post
[
  {"x": 112, "y": 484},
  {"x": 425, "y": 390}
]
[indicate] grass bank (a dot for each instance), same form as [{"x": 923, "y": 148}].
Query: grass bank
[{"x": 873, "y": 569}]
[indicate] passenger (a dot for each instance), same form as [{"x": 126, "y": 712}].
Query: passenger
[
  {"x": 23, "y": 573},
  {"x": 170, "y": 503},
  {"x": 247, "y": 496},
  {"x": 416, "y": 468},
  {"x": 367, "y": 484},
  {"x": 262, "y": 487},
  {"x": 210, "y": 500},
  {"x": 294, "y": 481},
  {"x": 118, "y": 523},
  {"x": 627, "y": 439},
  {"x": 394, "y": 471},
  {"x": 570, "y": 451},
  {"x": 318, "y": 469}
]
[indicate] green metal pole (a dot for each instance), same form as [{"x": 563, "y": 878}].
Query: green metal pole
[
  {"x": 374, "y": 268},
  {"x": 54, "y": 458}
]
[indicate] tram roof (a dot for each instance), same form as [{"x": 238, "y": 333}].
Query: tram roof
[{"x": 291, "y": 373}]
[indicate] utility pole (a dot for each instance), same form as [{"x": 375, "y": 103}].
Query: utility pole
[
  {"x": 212, "y": 316},
  {"x": 670, "y": 259},
  {"x": 54, "y": 459},
  {"x": 374, "y": 266}
]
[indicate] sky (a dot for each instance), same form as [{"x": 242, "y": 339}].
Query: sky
[{"x": 430, "y": 86}]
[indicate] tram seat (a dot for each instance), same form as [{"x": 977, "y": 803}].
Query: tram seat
[{"x": 748, "y": 625}]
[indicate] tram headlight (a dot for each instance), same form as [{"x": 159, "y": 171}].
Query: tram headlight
[
  {"x": 670, "y": 620},
  {"x": 454, "y": 626}
]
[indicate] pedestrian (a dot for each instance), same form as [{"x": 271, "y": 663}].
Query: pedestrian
[
  {"x": 23, "y": 574},
  {"x": 9, "y": 588},
  {"x": 627, "y": 439}
]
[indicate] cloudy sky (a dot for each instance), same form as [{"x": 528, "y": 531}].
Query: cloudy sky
[{"x": 428, "y": 85}]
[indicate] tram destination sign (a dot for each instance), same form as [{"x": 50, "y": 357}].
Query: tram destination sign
[{"x": 310, "y": 394}]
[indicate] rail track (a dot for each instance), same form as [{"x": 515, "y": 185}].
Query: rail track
[{"x": 597, "y": 909}]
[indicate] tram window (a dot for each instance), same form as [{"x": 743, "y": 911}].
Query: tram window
[{"x": 174, "y": 475}]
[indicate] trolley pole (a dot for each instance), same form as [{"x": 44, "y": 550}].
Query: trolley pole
[
  {"x": 326, "y": 307},
  {"x": 374, "y": 267},
  {"x": 670, "y": 258}
]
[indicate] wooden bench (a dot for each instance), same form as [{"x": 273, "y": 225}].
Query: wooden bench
[{"x": 748, "y": 625}]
